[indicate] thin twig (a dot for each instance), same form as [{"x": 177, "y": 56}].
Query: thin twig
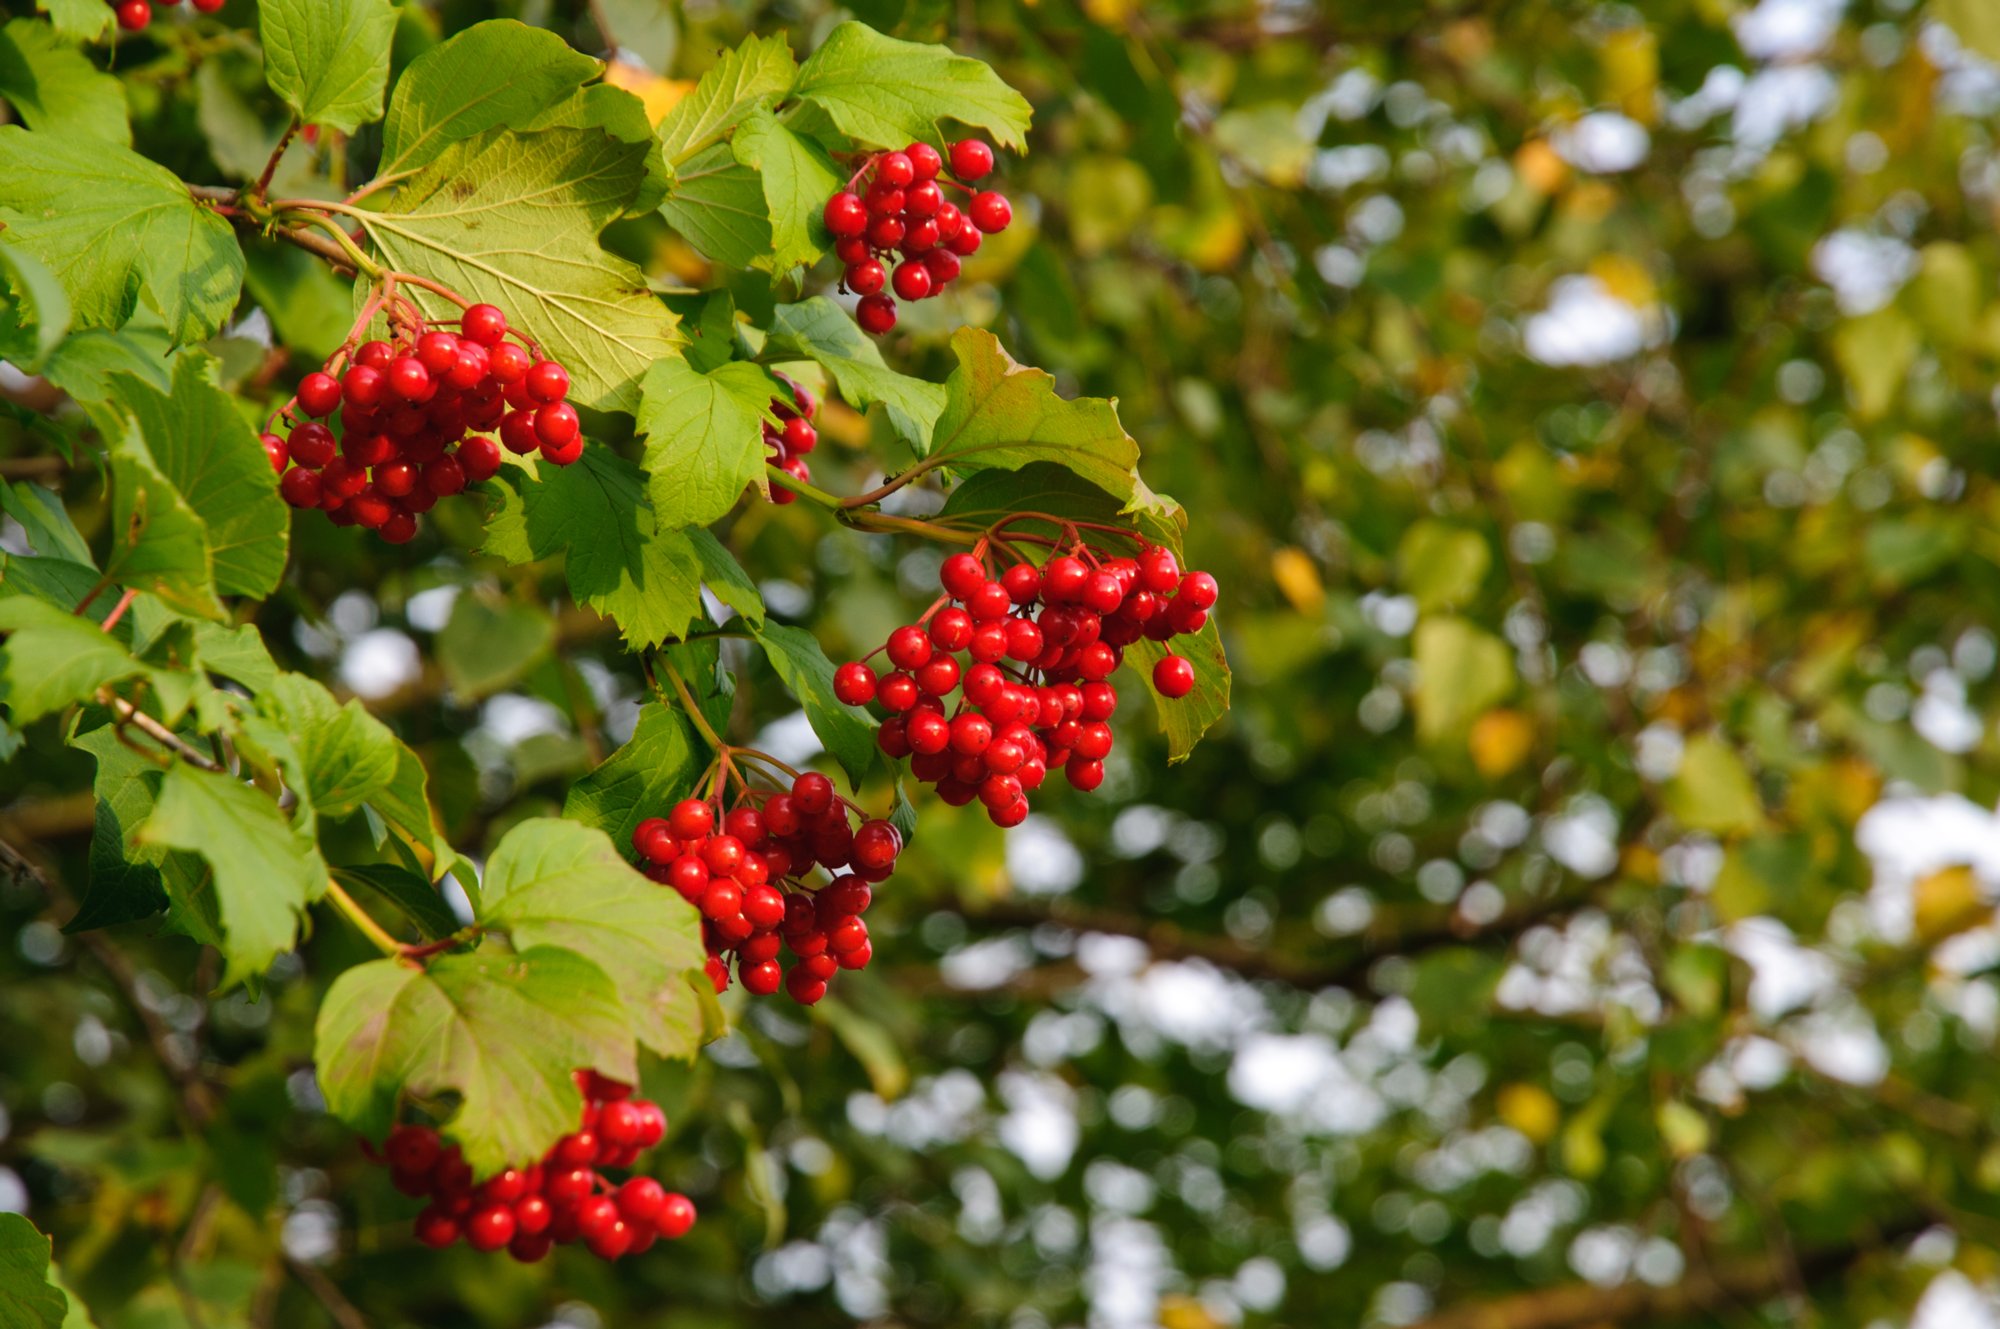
[
  {"x": 127, "y": 713},
  {"x": 263, "y": 185},
  {"x": 337, "y": 1305}
]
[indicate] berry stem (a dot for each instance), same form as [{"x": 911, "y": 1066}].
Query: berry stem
[
  {"x": 358, "y": 916},
  {"x": 780, "y": 476},
  {"x": 688, "y": 704},
  {"x": 118, "y": 610},
  {"x": 351, "y": 252},
  {"x": 882, "y": 523},
  {"x": 263, "y": 184}
]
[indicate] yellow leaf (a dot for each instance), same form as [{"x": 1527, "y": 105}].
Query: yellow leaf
[
  {"x": 1712, "y": 791},
  {"x": 1462, "y": 670},
  {"x": 1499, "y": 740},
  {"x": 1178, "y": 1312},
  {"x": 1539, "y": 167},
  {"x": 1298, "y": 579},
  {"x": 1874, "y": 352},
  {"x": 1626, "y": 279},
  {"x": 1111, "y": 13},
  {"x": 1948, "y": 902},
  {"x": 1631, "y": 59},
  {"x": 660, "y": 95},
  {"x": 1529, "y": 1109},
  {"x": 1684, "y": 1130}
]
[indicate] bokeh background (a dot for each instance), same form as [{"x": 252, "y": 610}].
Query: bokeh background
[{"x": 1586, "y": 914}]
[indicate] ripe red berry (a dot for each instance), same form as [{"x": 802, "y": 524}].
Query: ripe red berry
[
  {"x": 437, "y": 351},
  {"x": 803, "y": 988},
  {"x": 909, "y": 647},
  {"x": 508, "y": 362},
  {"x": 444, "y": 476},
  {"x": 275, "y": 449},
  {"x": 924, "y": 160},
  {"x": 300, "y": 488},
  {"x": 912, "y": 281},
  {"x": 1084, "y": 774},
  {"x": 517, "y": 431},
  {"x": 557, "y": 425},
  {"x": 676, "y": 1216},
  {"x": 943, "y": 266},
  {"x": 481, "y": 458},
  {"x": 548, "y": 381},
  {"x": 641, "y": 1199},
  {"x": 319, "y": 394},
  {"x": 894, "y": 169},
  {"x": 763, "y": 978},
  {"x": 813, "y": 793},
  {"x": 961, "y": 575},
  {"x": 800, "y": 437},
  {"x": 951, "y": 628},
  {"x": 845, "y": 214},
  {"x": 434, "y": 1227},
  {"x": 923, "y": 199},
  {"x": 876, "y": 314},
  {"x": 134, "y": 15},
  {"x": 483, "y": 324},
  {"x": 854, "y": 683},
  {"x": 490, "y": 1227},
  {"x": 408, "y": 379},
  {"x": 866, "y": 277},
  {"x": 885, "y": 202},
  {"x": 1174, "y": 676},
  {"x": 971, "y": 160},
  {"x": 1199, "y": 590},
  {"x": 886, "y": 232},
  {"x": 691, "y": 819},
  {"x": 966, "y": 242}
]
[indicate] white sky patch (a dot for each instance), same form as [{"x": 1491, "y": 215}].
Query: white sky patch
[
  {"x": 986, "y": 964},
  {"x": 1603, "y": 143},
  {"x": 1909, "y": 838},
  {"x": 1952, "y": 1302},
  {"x": 1776, "y": 101},
  {"x": 1942, "y": 716},
  {"x": 789, "y": 738},
  {"x": 1788, "y": 29},
  {"x": 1583, "y": 837},
  {"x": 430, "y": 610},
  {"x": 1784, "y": 974},
  {"x": 510, "y": 719},
  {"x": 1865, "y": 271},
  {"x": 380, "y": 662},
  {"x": 1585, "y": 324},
  {"x": 1040, "y": 1127},
  {"x": 1843, "y": 1045},
  {"x": 1040, "y": 858}
]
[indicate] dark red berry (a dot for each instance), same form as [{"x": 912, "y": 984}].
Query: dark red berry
[{"x": 971, "y": 160}]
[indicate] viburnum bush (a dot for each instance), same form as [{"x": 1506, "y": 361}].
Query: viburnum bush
[{"x": 495, "y": 348}]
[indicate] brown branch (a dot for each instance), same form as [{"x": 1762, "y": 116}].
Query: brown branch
[
  {"x": 1169, "y": 941},
  {"x": 32, "y": 468},
  {"x": 127, "y": 713},
  {"x": 343, "y": 1311},
  {"x": 196, "y": 1097},
  {"x": 1585, "y": 1305}
]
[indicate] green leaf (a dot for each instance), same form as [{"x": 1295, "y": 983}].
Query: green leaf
[
  {"x": 503, "y": 1032},
  {"x": 348, "y": 757},
  {"x": 704, "y": 437},
  {"x": 51, "y": 659},
  {"x": 800, "y": 661},
  {"x": 1976, "y": 23},
  {"x": 752, "y": 77},
  {"x": 1054, "y": 490},
  {"x": 724, "y": 576},
  {"x": 513, "y": 219},
  {"x": 413, "y": 897},
  {"x": 84, "y": 20},
  {"x": 198, "y": 442},
  {"x": 819, "y": 329},
  {"x": 1875, "y": 352},
  {"x": 555, "y": 883},
  {"x": 1462, "y": 670},
  {"x": 488, "y": 643},
  {"x": 328, "y": 59},
  {"x": 236, "y": 653},
  {"x": 45, "y": 521},
  {"x": 656, "y": 768},
  {"x": 596, "y": 514},
  {"x": 885, "y": 93},
  {"x": 264, "y": 870},
  {"x": 405, "y": 804},
  {"x": 1712, "y": 791},
  {"x": 717, "y": 203},
  {"x": 158, "y": 543},
  {"x": 82, "y": 365},
  {"x": 299, "y": 292},
  {"x": 37, "y": 313},
  {"x": 128, "y": 880},
  {"x": 517, "y": 72},
  {"x": 52, "y": 85},
  {"x": 110, "y": 224},
  {"x": 28, "y": 1300},
  {"x": 869, "y": 1043},
  {"x": 798, "y": 178},
  {"x": 999, "y": 414},
  {"x": 1185, "y": 719},
  {"x": 1442, "y": 566}
]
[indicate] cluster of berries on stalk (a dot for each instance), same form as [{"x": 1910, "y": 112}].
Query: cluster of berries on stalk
[
  {"x": 413, "y": 414},
  {"x": 1039, "y": 644},
  {"x": 787, "y": 442},
  {"x": 560, "y": 1200},
  {"x": 134, "y": 15},
  {"x": 903, "y": 217},
  {"x": 749, "y": 872}
]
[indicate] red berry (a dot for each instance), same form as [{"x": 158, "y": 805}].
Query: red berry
[
  {"x": 547, "y": 382},
  {"x": 854, "y": 683},
  {"x": 845, "y": 214},
  {"x": 886, "y": 232},
  {"x": 876, "y": 314},
  {"x": 923, "y": 199},
  {"x": 803, "y": 988},
  {"x": 619, "y": 1123},
  {"x": 1085, "y": 775},
  {"x": 557, "y": 425},
  {"x": 966, "y": 242},
  {"x": 1199, "y": 590},
  {"x": 909, "y": 647},
  {"x": 722, "y": 853},
  {"x": 800, "y": 436},
  {"x": 484, "y": 324},
  {"x": 435, "y": 1228},
  {"x": 490, "y": 1227},
  {"x": 210, "y": 7},
  {"x": 413, "y": 1148},
  {"x": 1174, "y": 676},
  {"x": 961, "y": 575},
  {"x": 971, "y": 160},
  {"x": 762, "y": 978},
  {"x": 528, "y": 1247},
  {"x": 134, "y": 15},
  {"x": 437, "y": 351},
  {"x": 813, "y": 793},
  {"x": 764, "y": 907},
  {"x": 319, "y": 394},
  {"x": 943, "y": 266},
  {"x": 444, "y": 476},
  {"x": 300, "y": 488},
  {"x": 919, "y": 237},
  {"x": 480, "y": 456},
  {"x": 312, "y": 444},
  {"x": 852, "y": 250},
  {"x": 641, "y": 1199},
  {"x": 866, "y": 277},
  {"x": 508, "y": 362},
  {"x": 885, "y": 202},
  {"x": 275, "y": 449},
  {"x": 951, "y": 628},
  {"x": 912, "y": 281},
  {"x": 676, "y": 1216},
  {"x": 408, "y": 378},
  {"x": 924, "y": 160},
  {"x": 691, "y": 819},
  {"x": 895, "y": 170},
  {"x": 517, "y": 431}
]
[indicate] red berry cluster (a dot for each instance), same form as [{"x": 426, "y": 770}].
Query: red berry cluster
[
  {"x": 134, "y": 15},
  {"x": 748, "y": 879},
  {"x": 788, "y": 442},
  {"x": 408, "y": 411},
  {"x": 562, "y": 1199},
  {"x": 904, "y": 212},
  {"x": 1032, "y": 690}
]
